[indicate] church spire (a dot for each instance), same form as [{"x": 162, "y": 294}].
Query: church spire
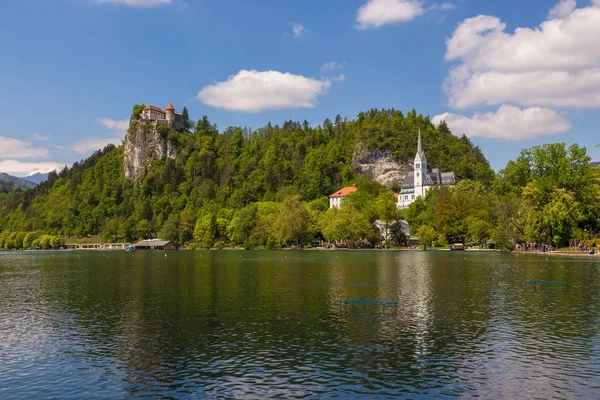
[{"x": 419, "y": 145}]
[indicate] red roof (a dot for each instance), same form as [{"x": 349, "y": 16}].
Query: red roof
[
  {"x": 154, "y": 109},
  {"x": 343, "y": 192},
  {"x": 170, "y": 107},
  {"x": 396, "y": 196}
]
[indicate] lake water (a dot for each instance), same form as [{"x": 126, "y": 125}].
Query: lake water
[{"x": 267, "y": 324}]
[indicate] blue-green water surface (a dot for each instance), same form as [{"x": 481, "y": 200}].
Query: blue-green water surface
[{"x": 267, "y": 324}]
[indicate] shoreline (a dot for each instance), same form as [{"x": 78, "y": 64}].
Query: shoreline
[{"x": 578, "y": 254}]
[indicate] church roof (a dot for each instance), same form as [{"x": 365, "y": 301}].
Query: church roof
[
  {"x": 434, "y": 177},
  {"x": 170, "y": 107},
  {"x": 343, "y": 192}
]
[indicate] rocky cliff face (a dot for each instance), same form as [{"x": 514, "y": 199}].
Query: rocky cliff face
[
  {"x": 381, "y": 166},
  {"x": 143, "y": 143}
]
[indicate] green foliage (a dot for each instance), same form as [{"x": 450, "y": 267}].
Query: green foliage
[
  {"x": 426, "y": 235},
  {"x": 186, "y": 123},
  {"x": 548, "y": 195},
  {"x": 347, "y": 225},
  {"x": 239, "y": 185},
  {"x": 137, "y": 111}
]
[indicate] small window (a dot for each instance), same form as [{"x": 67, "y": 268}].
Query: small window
[
  {"x": 418, "y": 165},
  {"x": 418, "y": 174},
  {"x": 413, "y": 196}
]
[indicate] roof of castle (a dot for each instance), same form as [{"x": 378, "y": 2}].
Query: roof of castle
[
  {"x": 170, "y": 107},
  {"x": 343, "y": 192},
  {"x": 154, "y": 109}
]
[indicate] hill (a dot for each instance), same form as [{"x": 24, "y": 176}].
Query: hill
[
  {"x": 9, "y": 182},
  {"x": 37, "y": 178},
  {"x": 166, "y": 183}
]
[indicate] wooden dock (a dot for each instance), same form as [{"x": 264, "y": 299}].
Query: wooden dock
[{"x": 354, "y": 303}]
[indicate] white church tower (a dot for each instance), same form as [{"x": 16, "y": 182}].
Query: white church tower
[{"x": 420, "y": 169}]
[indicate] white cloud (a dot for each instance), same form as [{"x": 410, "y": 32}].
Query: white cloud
[
  {"x": 562, "y": 9},
  {"x": 508, "y": 123},
  {"x": 114, "y": 125},
  {"x": 554, "y": 65},
  {"x": 298, "y": 30},
  {"x": 18, "y": 168},
  {"x": 339, "y": 78},
  {"x": 137, "y": 3},
  {"x": 90, "y": 145},
  {"x": 15, "y": 148},
  {"x": 43, "y": 138},
  {"x": 255, "y": 91},
  {"x": 376, "y": 13},
  {"x": 332, "y": 66}
]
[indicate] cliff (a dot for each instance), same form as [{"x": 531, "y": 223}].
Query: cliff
[
  {"x": 379, "y": 165},
  {"x": 143, "y": 143}
]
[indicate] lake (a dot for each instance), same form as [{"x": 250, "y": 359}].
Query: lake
[{"x": 254, "y": 324}]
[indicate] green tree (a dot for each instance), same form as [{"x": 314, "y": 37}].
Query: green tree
[
  {"x": 205, "y": 230},
  {"x": 144, "y": 229},
  {"x": 186, "y": 123},
  {"x": 137, "y": 111},
  {"x": 293, "y": 221},
  {"x": 426, "y": 235}
]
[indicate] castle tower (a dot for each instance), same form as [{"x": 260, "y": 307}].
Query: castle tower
[
  {"x": 170, "y": 115},
  {"x": 420, "y": 168}
]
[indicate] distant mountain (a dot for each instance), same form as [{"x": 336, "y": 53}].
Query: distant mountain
[
  {"x": 595, "y": 163},
  {"x": 37, "y": 178},
  {"x": 10, "y": 181}
]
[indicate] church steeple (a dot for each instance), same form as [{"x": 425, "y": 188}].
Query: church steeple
[
  {"x": 420, "y": 168},
  {"x": 420, "y": 145}
]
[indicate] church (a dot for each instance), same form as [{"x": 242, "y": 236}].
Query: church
[{"x": 420, "y": 180}]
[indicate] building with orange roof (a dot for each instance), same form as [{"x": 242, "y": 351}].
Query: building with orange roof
[
  {"x": 335, "y": 200},
  {"x": 168, "y": 116}
]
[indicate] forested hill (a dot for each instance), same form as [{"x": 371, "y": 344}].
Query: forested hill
[
  {"x": 221, "y": 173},
  {"x": 9, "y": 182}
]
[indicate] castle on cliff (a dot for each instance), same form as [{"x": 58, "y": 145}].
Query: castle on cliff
[{"x": 168, "y": 116}]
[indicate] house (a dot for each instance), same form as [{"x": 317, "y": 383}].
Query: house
[
  {"x": 404, "y": 228},
  {"x": 420, "y": 180},
  {"x": 168, "y": 116},
  {"x": 335, "y": 200},
  {"x": 155, "y": 244}
]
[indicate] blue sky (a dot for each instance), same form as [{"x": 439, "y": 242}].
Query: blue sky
[{"x": 510, "y": 74}]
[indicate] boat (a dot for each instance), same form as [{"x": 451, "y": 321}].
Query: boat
[
  {"x": 129, "y": 248},
  {"x": 457, "y": 247}
]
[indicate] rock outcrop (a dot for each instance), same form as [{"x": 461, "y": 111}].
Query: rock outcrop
[
  {"x": 381, "y": 166},
  {"x": 143, "y": 143}
]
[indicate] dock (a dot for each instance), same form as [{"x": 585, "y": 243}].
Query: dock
[
  {"x": 561, "y": 283},
  {"x": 353, "y": 303}
]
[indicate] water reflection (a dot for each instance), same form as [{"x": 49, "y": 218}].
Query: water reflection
[{"x": 267, "y": 324}]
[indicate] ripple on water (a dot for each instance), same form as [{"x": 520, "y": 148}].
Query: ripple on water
[{"x": 221, "y": 325}]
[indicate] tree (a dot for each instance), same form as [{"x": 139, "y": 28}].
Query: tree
[
  {"x": 387, "y": 209},
  {"x": 28, "y": 240},
  {"x": 205, "y": 230},
  {"x": 347, "y": 225},
  {"x": 292, "y": 222},
  {"x": 137, "y": 111},
  {"x": 144, "y": 229},
  {"x": 426, "y": 235},
  {"x": 186, "y": 123}
]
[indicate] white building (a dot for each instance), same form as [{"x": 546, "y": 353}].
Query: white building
[
  {"x": 335, "y": 200},
  {"x": 420, "y": 180},
  {"x": 404, "y": 228}
]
